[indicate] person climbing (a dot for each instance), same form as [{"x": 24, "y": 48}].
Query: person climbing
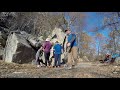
[
  {"x": 46, "y": 49},
  {"x": 57, "y": 54},
  {"x": 39, "y": 54},
  {"x": 72, "y": 52},
  {"x": 39, "y": 60}
]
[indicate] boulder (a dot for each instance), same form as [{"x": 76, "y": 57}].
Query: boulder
[
  {"x": 1, "y": 53},
  {"x": 2, "y": 39},
  {"x": 34, "y": 42},
  {"x": 80, "y": 60},
  {"x": 18, "y": 50},
  {"x": 85, "y": 58}
]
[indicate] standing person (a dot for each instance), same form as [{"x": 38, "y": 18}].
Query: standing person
[
  {"x": 46, "y": 48},
  {"x": 57, "y": 54},
  {"x": 72, "y": 53}
]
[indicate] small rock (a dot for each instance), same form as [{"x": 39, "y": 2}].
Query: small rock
[
  {"x": 115, "y": 72},
  {"x": 17, "y": 72}
]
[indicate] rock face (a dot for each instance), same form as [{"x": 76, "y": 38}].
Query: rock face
[
  {"x": 1, "y": 53},
  {"x": 58, "y": 34},
  {"x": 2, "y": 39},
  {"x": 18, "y": 50},
  {"x": 35, "y": 42}
]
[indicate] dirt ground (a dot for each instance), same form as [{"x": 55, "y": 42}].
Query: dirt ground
[{"x": 83, "y": 70}]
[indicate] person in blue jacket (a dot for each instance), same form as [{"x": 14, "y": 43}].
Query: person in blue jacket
[
  {"x": 114, "y": 56},
  {"x": 57, "y": 54},
  {"x": 73, "y": 49}
]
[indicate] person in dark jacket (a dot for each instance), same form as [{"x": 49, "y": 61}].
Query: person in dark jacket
[{"x": 46, "y": 49}]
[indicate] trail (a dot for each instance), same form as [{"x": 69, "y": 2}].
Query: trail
[{"x": 82, "y": 70}]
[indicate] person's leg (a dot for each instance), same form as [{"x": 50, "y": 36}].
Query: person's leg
[
  {"x": 74, "y": 54},
  {"x": 59, "y": 59},
  {"x": 37, "y": 58},
  {"x": 55, "y": 61},
  {"x": 41, "y": 61},
  {"x": 48, "y": 56},
  {"x": 69, "y": 63},
  {"x": 45, "y": 55}
]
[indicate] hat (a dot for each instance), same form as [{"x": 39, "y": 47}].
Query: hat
[{"x": 48, "y": 39}]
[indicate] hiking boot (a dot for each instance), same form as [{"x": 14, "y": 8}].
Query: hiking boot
[
  {"x": 59, "y": 66},
  {"x": 54, "y": 66}
]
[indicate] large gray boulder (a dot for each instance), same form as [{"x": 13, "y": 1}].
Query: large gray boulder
[
  {"x": 3, "y": 37},
  {"x": 35, "y": 42},
  {"x": 18, "y": 50},
  {"x": 1, "y": 52}
]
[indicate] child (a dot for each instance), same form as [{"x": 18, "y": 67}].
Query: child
[
  {"x": 37, "y": 57},
  {"x": 57, "y": 54}
]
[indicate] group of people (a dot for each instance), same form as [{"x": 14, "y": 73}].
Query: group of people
[{"x": 57, "y": 51}]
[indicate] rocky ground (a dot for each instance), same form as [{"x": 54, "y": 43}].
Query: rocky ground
[{"x": 83, "y": 70}]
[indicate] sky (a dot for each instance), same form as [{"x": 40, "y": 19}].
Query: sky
[{"x": 95, "y": 20}]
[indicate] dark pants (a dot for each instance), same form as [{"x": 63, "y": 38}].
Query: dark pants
[
  {"x": 47, "y": 55},
  {"x": 106, "y": 59},
  {"x": 57, "y": 60},
  {"x": 39, "y": 61}
]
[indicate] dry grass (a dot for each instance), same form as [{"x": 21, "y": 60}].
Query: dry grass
[{"x": 84, "y": 70}]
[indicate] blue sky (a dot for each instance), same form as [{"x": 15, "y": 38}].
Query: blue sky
[{"x": 94, "y": 20}]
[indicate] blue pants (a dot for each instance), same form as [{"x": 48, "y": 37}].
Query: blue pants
[{"x": 57, "y": 60}]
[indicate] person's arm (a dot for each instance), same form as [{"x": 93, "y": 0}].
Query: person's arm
[
  {"x": 62, "y": 49},
  {"x": 43, "y": 46},
  {"x": 54, "y": 49}
]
